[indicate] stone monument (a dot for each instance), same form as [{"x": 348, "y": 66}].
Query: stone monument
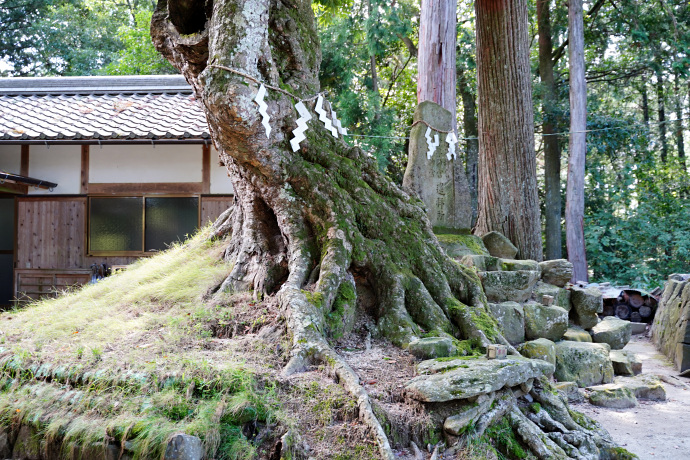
[{"x": 439, "y": 182}]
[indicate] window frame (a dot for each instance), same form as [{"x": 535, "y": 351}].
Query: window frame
[{"x": 142, "y": 196}]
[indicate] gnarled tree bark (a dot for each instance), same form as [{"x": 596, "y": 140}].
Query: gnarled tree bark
[{"x": 324, "y": 212}]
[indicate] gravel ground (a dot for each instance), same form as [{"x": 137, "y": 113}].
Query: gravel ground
[{"x": 653, "y": 430}]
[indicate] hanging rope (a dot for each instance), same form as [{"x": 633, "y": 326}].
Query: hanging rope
[{"x": 259, "y": 82}]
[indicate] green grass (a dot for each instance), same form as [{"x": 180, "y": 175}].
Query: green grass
[{"x": 129, "y": 359}]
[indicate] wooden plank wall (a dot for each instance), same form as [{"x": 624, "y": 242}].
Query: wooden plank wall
[
  {"x": 51, "y": 234},
  {"x": 213, "y": 206}
]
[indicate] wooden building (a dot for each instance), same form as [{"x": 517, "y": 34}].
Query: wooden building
[{"x": 98, "y": 170}]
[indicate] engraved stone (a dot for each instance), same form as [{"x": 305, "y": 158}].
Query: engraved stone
[{"x": 439, "y": 182}]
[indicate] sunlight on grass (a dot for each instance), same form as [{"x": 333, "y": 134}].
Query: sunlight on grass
[
  {"x": 149, "y": 302},
  {"x": 132, "y": 358}
]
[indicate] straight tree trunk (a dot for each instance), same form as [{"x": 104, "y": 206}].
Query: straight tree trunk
[
  {"x": 372, "y": 61},
  {"x": 507, "y": 194},
  {"x": 469, "y": 119},
  {"x": 660, "y": 97},
  {"x": 575, "y": 192},
  {"x": 645, "y": 105},
  {"x": 552, "y": 151},
  {"x": 436, "y": 54},
  {"x": 680, "y": 142}
]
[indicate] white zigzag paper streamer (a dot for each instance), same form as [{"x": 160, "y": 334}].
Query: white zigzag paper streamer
[
  {"x": 451, "y": 139},
  {"x": 305, "y": 116},
  {"x": 431, "y": 146},
  {"x": 323, "y": 116},
  {"x": 337, "y": 123},
  {"x": 259, "y": 99}
]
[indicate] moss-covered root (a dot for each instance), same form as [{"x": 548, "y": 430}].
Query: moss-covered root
[
  {"x": 543, "y": 447},
  {"x": 504, "y": 403},
  {"x": 310, "y": 346}
]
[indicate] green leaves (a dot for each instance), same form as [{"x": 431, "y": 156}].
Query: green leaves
[{"x": 138, "y": 57}]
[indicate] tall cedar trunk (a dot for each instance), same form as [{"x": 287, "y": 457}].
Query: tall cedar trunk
[
  {"x": 680, "y": 142},
  {"x": 552, "y": 150},
  {"x": 436, "y": 54},
  {"x": 372, "y": 61},
  {"x": 310, "y": 224},
  {"x": 575, "y": 192},
  {"x": 661, "y": 105},
  {"x": 507, "y": 195},
  {"x": 469, "y": 120},
  {"x": 645, "y": 105}
]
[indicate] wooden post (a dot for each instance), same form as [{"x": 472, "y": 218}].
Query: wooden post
[
  {"x": 24, "y": 166},
  {"x": 84, "y": 169},
  {"x": 575, "y": 192},
  {"x": 206, "y": 169}
]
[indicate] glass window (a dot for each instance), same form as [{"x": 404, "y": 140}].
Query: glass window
[
  {"x": 115, "y": 224},
  {"x": 138, "y": 224},
  {"x": 169, "y": 220}
]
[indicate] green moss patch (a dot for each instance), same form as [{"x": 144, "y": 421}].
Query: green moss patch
[{"x": 503, "y": 438}]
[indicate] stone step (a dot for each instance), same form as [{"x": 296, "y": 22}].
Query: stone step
[{"x": 455, "y": 379}]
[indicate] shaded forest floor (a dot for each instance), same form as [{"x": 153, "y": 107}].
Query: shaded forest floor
[{"x": 653, "y": 430}]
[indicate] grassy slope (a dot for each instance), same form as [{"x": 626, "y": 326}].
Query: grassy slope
[
  {"x": 132, "y": 360},
  {"x": 153, "y": 351}
]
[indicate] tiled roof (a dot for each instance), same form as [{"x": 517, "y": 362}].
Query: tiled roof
[{"x": 99, "y": 108}]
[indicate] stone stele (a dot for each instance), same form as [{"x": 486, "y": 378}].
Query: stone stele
[{"x": 440, "y": 183}]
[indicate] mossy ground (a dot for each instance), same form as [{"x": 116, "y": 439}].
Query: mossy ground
[{"x": 153, "y": 351}]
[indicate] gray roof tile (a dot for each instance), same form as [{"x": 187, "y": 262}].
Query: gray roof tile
[{"x": 94, "y": 116}]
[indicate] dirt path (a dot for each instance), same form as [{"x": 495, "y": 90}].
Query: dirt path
[{"x": 654, "y": 430}]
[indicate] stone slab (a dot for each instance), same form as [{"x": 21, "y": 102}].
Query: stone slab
[
  {"x": 583, "y": 363},
  {"x": 613, "y": 331},
  {"x": 439, "y": 182},
  {"x": 543, "y": 349},
  {"x": 511, "y": 317},
  {"x": 557, "y": 272},
  {"x": 671, "y": 326},
  {"x": 577, "y": 334},
  {"x": 499, "y": 245},
  {"x": 638, "y": 328},
  {"x": 447, "y": 380},
  {"x": 561, "y": 296},
  {"x": 542, "y": 322},
  {"x": 432, "y": 347},
  {"x": 625, "y": 363},
  {"x": 508, "y": 286}
]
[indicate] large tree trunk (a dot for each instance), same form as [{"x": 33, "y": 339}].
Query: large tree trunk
[
  {"x": 469, "y": 121},
  {"x": 661, "y": 111},
  {"x": 575, "y": 192},
  {"x": 507, "y": 195},
  {"x": 680, "y": 142},
  {"x": 308, "y": 223},
  {"x": 436, "y": 54},
  {"x": 645, "y": 105},
  {"x": 552, "y": 150}
]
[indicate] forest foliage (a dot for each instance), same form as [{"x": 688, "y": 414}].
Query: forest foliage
[{"x": 637, "y": 221}]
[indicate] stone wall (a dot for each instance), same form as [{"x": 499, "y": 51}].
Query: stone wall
[{"x": 671, "y": 328}]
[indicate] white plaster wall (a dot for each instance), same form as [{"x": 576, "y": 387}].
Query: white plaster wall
[
  {"x": 10, "y": 158},
  {"x": 60, "y": 164},
  {"x": 144, "y": 163},
  {"x": 220, "y": 182}
]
